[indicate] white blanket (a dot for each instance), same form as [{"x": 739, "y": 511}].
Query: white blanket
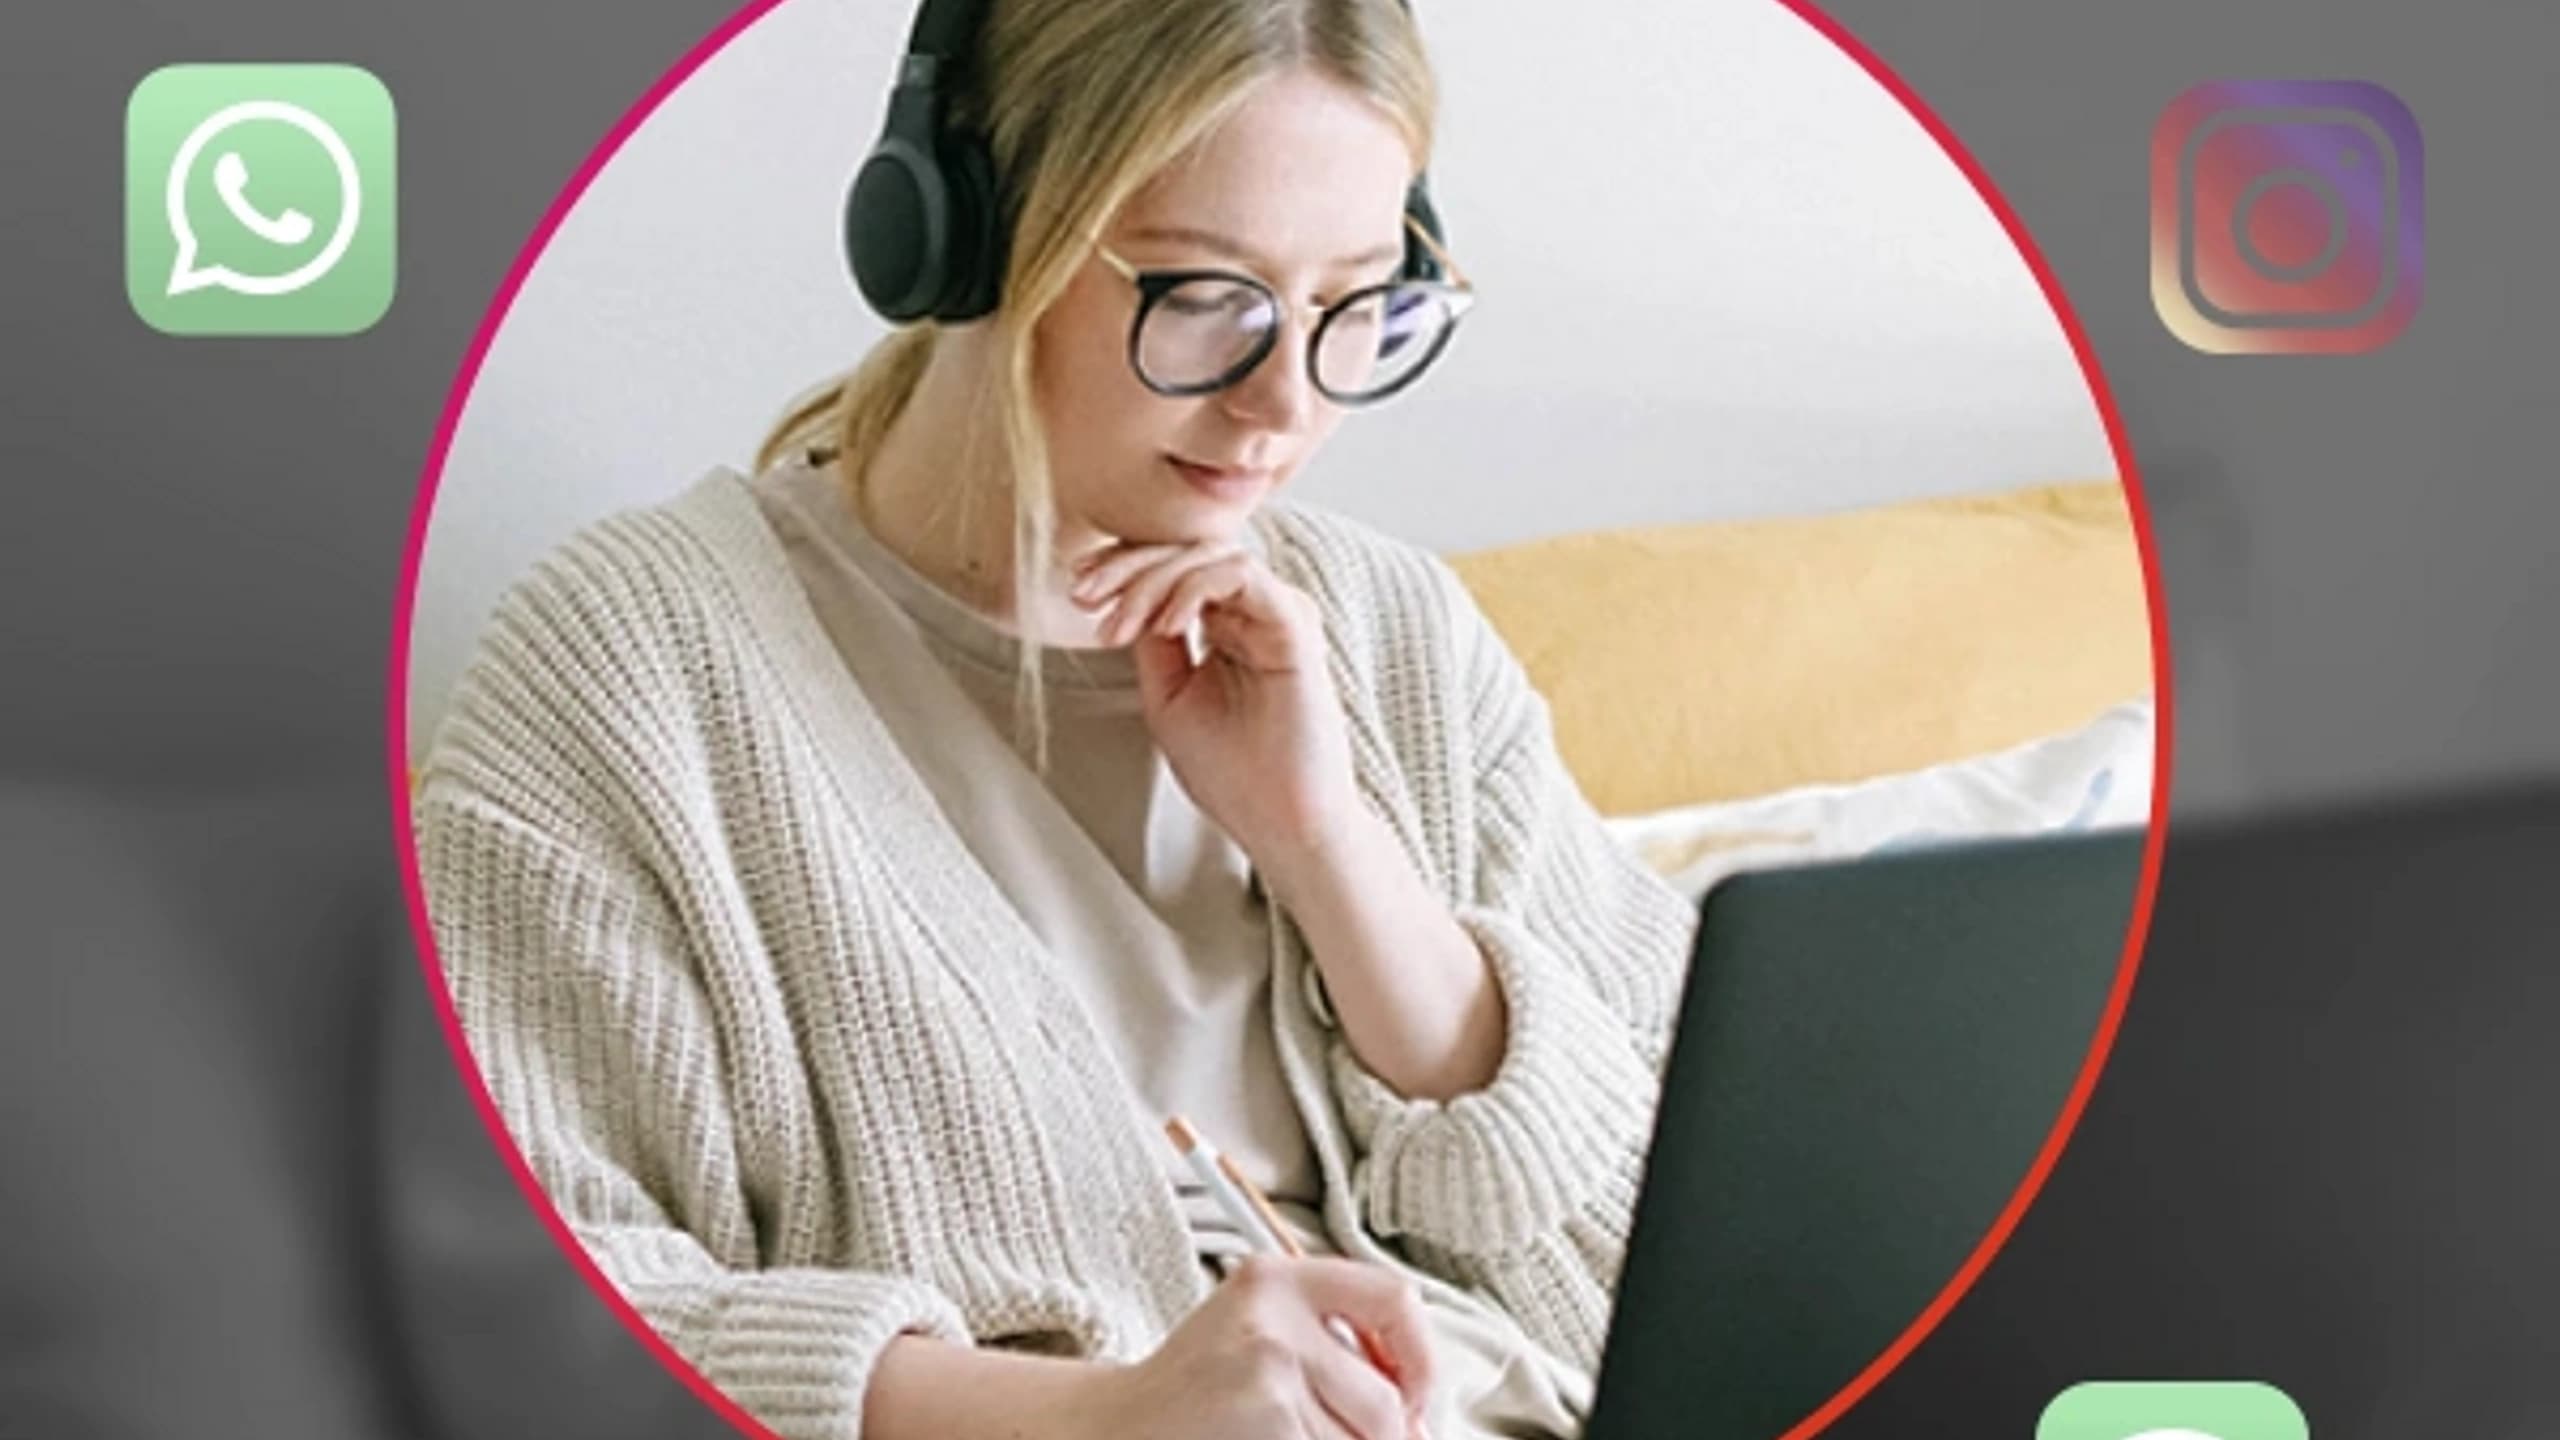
[{"x": 2095, "y": 777}]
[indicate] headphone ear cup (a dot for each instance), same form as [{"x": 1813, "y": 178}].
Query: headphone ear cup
[
  {"x": 974, "y": 265},
  {"x": 897, "y": 229},
  {"x": 1419, "y": 262}
]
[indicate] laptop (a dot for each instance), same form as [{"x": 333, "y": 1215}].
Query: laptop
[{"x": 1869, "y": 1056}]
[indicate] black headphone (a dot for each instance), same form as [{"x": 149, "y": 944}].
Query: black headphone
[{"x": 925, "y": 228}]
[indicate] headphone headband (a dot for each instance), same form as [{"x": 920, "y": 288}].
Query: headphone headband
[
  {"x": 925, "y": 223},
  {"x": 943, "y": 32}
]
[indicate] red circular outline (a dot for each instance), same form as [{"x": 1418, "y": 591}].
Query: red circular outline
[
  {"x": 2148, "y": 887},
  {"x": 1867, "y": 1379}
]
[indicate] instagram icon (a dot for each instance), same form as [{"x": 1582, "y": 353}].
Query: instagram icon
[{"x": 2286, "y": 217}]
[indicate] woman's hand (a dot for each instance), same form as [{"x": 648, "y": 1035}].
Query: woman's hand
[
  {"x": 1256, "y": 735},
  {"x": 1255, "y": 1361},
  {"x": 1253, "y": 729}
]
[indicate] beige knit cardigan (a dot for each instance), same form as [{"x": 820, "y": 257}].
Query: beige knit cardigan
[{"x": 800, "y": 1079}]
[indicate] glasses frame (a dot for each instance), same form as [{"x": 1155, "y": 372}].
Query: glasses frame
[{"x": 1456, "y": 293}]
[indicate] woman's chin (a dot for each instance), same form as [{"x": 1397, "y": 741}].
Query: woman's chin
[
  {"x": 1216, "y": 531},
  {"x": 1166, "y": 509},
  {"x": 1190, "y": 521}
]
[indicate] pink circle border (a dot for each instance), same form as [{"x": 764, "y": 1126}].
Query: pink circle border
[{"x": 711, "y": 44}]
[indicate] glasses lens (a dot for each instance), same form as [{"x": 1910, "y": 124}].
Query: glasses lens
[
  {"x": 1380, "y": 341},
  {"x": 1200, "y": 331}
]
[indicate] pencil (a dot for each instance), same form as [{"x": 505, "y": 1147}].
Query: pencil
[
  {"x": 1204, "y": 1159},
  {"x": 1262, "y": 1210},
  {"x": 1245, "y": 1203}
]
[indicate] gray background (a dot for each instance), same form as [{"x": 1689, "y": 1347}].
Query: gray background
[{"x": 217, "y": 1078}]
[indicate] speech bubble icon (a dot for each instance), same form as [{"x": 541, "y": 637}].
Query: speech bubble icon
[{"x": 230, "y": 178}]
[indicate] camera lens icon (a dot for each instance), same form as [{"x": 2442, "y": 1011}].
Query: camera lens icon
[
  {"x": 2286, "y": 216},
  {"x": 2327, "y": 195}
]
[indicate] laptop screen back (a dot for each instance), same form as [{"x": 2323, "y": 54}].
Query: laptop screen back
[{"x": 1869, "y": 1058}]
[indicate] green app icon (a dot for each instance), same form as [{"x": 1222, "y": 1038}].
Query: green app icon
[
  {"x": 2173, "y": 1410},
  {"x": 260, "y": 199}
]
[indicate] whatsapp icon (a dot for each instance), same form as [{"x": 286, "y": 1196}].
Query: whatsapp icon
[{"x": 259, "y": 199}]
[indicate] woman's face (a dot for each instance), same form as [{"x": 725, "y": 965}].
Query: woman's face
[{"x": 1303, "y": 187}]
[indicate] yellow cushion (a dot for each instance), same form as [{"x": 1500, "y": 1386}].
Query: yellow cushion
[{"x": 1700, "y": 662}]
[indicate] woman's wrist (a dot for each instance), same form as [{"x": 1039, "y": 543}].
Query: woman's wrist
[
  {"x": 922, "y": 1386},
  {"x": 1323, "y": 867},
  {"x": 1413, "y": 992}
]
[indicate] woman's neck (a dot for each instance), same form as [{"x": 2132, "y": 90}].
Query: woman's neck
[{"x": 934, "y": 492}]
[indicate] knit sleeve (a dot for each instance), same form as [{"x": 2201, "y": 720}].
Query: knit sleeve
[
  {"x": 1528, "y": 1184},
  {"x": 586, "y": 1015}
]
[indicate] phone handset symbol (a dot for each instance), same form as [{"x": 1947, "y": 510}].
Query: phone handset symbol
[{"x": 231, "y": 181}]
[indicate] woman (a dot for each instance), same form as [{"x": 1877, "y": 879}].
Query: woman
[{"x": 842, "y": 871}]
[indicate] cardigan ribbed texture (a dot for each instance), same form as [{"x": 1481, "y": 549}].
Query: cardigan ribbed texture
[{"x": 798, "y": 1077}]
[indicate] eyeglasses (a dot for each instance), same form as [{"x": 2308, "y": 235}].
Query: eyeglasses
[{"x": 1199, "y": 331}]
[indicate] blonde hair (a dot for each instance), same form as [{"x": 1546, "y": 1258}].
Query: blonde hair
[{"x": 1082, "y": 103}]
